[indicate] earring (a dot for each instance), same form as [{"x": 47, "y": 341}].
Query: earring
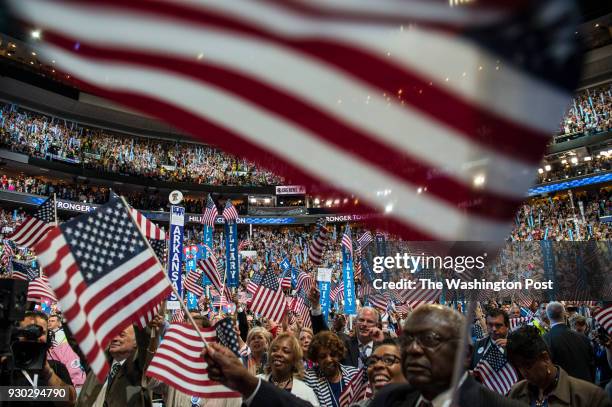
[{"x": 547, "y": 371}]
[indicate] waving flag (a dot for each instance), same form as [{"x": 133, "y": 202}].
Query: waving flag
[
  {"x": 105, "y": 277},
  {"x": 178, "y": 363},
  {"x": 210, "y": 213},
  {"x": 269, "y": 299},
  {"x": 209, "y": 267},
  {"x": 365, "y": 239},
  {"x": 356, "y": 390},
  {"x": 373, "y": 100},
  {"x": 254, "y": 282},
  {"x": 39, "y": 289},
  {"x": 301, "y": 305},
  {"x": 347, "y": 241},
  {"x": 193, "y": 282},
  {"x": 155, "y": 235},
  {"x": 35, "y": 227},
  {"x": 315, "y": 251},
  {"x": 229, "y": 212},
  {"x": 22, "y": 271},
  {"x": 496, "y": 373},
  {"x": 7, "y": 253}
]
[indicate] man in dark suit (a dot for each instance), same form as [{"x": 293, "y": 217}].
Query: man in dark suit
[
  {"x": 570, "y": 350},
  {"x": 498, "y": 325},
  {"x": 367, "y": 331},
  {"x": 431, "y": 338}
]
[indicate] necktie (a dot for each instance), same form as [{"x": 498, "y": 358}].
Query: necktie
[{"x": 113, "y": 372}]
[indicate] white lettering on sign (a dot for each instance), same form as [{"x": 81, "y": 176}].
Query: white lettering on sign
[
  {"x": 290, "y": 190},
  {"x": 73, "y": 206}
]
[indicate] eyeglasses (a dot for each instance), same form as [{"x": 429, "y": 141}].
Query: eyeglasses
[
  {"x": 388, "y": 360},
  {"x": 429, "y": 340}
]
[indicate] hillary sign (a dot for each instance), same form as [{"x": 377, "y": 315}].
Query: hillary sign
[{"x": 175, "y": 253}]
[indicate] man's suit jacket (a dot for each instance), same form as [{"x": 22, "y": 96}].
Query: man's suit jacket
[
  {"x": 472, "y": 395},
  {"x": 476, "y": 356},
  {"x": 126, "y": 389},
  {"x": 572, "y": 351}
]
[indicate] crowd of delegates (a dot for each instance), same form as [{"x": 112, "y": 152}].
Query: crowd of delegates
[
  {"x": 590, "y": 112},
  {"x": 597, "y": 164},
  {"x": 558, "y": 356},
  {"x": 571, "y": 216},
  {"x": 46, "y": 137}
]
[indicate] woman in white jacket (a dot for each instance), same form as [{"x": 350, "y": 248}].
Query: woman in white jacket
[{"x": 285, "y": 368}]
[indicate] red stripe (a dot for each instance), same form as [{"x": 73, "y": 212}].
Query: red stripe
[
  {"x": 465, "y": 117},
  {"x": 233, "y": 144}
]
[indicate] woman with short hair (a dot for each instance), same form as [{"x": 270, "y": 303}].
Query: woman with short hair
[
  {"x": 545, "y": 383},
  {"x": 254, "y": 357},
  {"x": 305, "y": 338},
  {"x": 284, "y": 368},
  {"x": 330, "y": 378}
]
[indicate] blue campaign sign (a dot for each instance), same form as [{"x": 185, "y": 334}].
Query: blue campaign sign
[
  {"x": 175, "y": 253},
  {"x": 350, "y": 306},
  {"x": 324, "y": 289},
  {"x": 294, "y": 276},
  {"x": 232, "y": 264},
  {"x": 285, "y": 265}
]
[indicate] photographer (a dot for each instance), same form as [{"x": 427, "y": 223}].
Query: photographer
[{"x": 32, "y": 368}]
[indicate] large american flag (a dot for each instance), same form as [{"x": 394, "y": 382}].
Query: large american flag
[
  {"x": 269, "y": 299},
  {"x": 495, "y": 371},
  {"x": 154, "y": 234},
  {"x": 347, "y": 241},
  {"x": 104, "y": 275},
  {"x": 316, "y": 248},
  {"x": 35, "y": 227},
  {"x": 210, "y": 213},
  {"x": 377, "y": 99},
  {"x": 177, "y": 361},
  {"x": 229, "y": 212}
]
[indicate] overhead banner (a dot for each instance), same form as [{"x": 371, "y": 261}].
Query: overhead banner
[
  {"x": 290, "y": 190},
  {"x": 324, "y": 279},
  {"x": 175, "y": 254},
  {"x": 350, "y": 307},
  {"x": 232, "y": 264}
]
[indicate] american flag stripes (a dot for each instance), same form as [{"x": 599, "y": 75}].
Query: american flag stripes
[
  {"x": 315, "y": 251},
  {"x": 210, "y": 213},
  {"x": 496, "y": 373},
  {"x": 39, "y": 289},
  {"x": 365, "y": 239},
  {"x": 35, "y": 227},
  {"x": 210, "y": 269},
  {"x": 269, "y": 299},
  {"x": 379, "y": 301},
  {"x": 155, "y": 235},
  {"x": 104, "y": 275},
  {"x": 347, "y": 241},
  {"x": 177, "y": 361},
  {"x": 604, "y": 318},
  {"x": 285, "y": 283},
  {"x": 356, "y": 390},
  {"x": 336, "y": 291},
  {"x": 254, "y": 282},
  {"x": 359, "y": 53},
  {"x": 193, "y": 282},
  {"x": 229, "y": 212},
  {"x": 300, "y": 305},
  {"x": 178, "y": 315},
  {"x": 7, "y": 253}
]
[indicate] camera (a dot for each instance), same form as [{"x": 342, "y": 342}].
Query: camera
[{"x": 28, "y": 352}]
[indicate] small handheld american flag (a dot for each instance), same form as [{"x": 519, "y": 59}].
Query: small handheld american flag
[
  {"x": 105, "y": 275},
  {"x": 210, "y": 213},
  {"x": 35, "y": 227},
  {"x": 269, "y": 299},
  {"x": 229, "y": 212},
  {"x": 347, "y": 241}
]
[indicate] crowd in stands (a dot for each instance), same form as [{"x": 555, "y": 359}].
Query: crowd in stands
[
  {"x": 566, "y": 216},
  {"x": 590, "y": 112},
  {"x": 46, "y": 137},
  {"x": 560, "y": 171}
]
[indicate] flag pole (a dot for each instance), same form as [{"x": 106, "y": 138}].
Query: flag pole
[{"x": 182, "y": 305}]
